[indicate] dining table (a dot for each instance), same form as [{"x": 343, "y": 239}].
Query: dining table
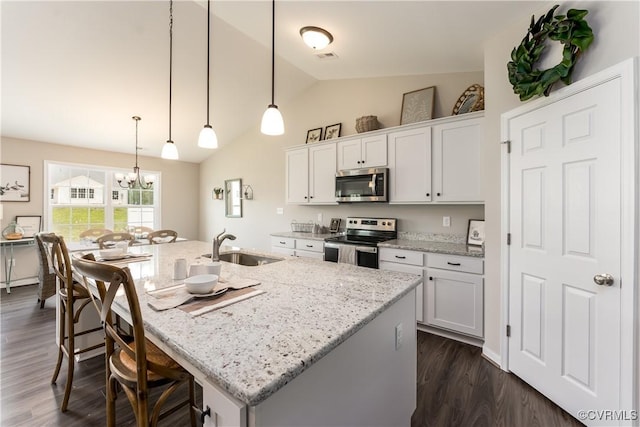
[{"x": 315, "y": 343}]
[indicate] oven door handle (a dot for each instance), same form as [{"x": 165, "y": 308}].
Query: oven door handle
[
  {"x": 332, "y": 245},
  {"x": 367, "y": 249}
]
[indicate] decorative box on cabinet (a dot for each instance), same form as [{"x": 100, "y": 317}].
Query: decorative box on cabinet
[
  {"x": 367, "y": 152},
  {"x": 311, "y": 174},
  {"x": 405, "y": 262}
]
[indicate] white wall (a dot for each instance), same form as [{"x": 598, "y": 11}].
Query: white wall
[
  {"x": 260, "y": 160},
  {"x": 615, "y": 25},
  {"x": 180, "y": 187}
]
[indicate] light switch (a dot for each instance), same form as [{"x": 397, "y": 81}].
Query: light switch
[
  {"x": 446, "y": 221},
  {"x": 279, "y": 211}
]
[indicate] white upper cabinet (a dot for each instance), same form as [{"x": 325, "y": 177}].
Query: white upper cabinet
[
  {"x": 457, "y": 160},
  {"x": 311, "y": 174},
  {"x": 410, "y": 166},
  {"x": 359, "y": 153}
]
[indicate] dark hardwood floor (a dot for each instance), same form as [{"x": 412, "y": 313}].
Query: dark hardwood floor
[{"x": 456, "y": 386}]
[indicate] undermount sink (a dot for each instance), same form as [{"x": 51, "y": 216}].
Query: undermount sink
[{"x": 242, "y": 258}]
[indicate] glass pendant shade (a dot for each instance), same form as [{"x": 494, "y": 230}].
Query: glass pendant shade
[
  {"x": 272, "y": 122},
  {"x": 208, "y": 138},
  {"x": 169, "y": 151}
]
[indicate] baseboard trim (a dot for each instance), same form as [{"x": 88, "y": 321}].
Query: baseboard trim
[
  {"x": 492, "y": 356},
  {"x": 451, "y": 335},
  {"x": 21, "y": 282}
]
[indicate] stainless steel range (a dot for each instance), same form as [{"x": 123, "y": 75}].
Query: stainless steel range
[{"x": 359, "y": 245}]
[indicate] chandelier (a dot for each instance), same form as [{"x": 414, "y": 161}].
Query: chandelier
[{"x": 133, "y": 179}]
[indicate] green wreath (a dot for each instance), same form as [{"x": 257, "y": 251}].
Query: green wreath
[{"x": 570, "y": 30}]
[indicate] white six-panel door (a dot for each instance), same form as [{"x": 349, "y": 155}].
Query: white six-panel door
[{"x": 565, "y": 226}]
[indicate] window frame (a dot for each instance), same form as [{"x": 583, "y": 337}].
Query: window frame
[{"x": 110, "y": 186}]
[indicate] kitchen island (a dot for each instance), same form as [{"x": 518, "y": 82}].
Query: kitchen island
[{"x": 325, "y": 344}]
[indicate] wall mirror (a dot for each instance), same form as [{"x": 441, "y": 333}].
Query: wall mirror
[{"x": 233, "y": 199}]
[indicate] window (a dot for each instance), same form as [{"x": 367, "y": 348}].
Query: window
[{"x": 79, "y": 201}]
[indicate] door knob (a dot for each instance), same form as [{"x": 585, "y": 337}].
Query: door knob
[{"x": 603, "y": 279}]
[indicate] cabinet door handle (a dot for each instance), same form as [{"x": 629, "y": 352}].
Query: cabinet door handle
[
  {"x": 430, "y": 278},
  {"x": 305, "y": 197},
  {"x": 428, "y": 194},
  {"x": 309, "y": 246},
  {"x": 438, "y": 194},
  {"x": 454, "y": 263},
  {"x": 401, "y": 257},
  {"x": 311, "y": 197}
]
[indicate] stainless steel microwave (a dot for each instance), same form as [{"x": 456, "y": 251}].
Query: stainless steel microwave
[{"x": 362, "y": 185}]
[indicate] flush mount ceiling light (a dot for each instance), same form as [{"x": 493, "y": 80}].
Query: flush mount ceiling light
[
  {"x": 316, "y": 37},
  {"x": 272, "y": 122},
  {"x": 208, "y": 137},
  {"x": 169, "y": 150},
  {"x": 133, "y": 179}
]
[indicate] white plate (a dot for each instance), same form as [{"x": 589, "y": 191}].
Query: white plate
[
  {"x": 115, "y": 256},
  {"x": 211, "y": 294}
]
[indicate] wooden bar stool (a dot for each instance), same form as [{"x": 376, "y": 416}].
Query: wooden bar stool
[
  {"x": 162, "y": 236},
  {"x": 73, "y": 298},
  {"x": 136, "y": 365},
  {"x": 46, "y": 275},
  {"x": 110, "y": 239}
]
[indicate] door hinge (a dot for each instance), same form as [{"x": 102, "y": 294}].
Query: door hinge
[
  {"x": 508, "y": 238},
  {"x": 508, "y": 330},
  {"x": 508, "y": 145}
]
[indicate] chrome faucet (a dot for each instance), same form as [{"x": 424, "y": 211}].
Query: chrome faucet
[{"x": 217, "y": 241}]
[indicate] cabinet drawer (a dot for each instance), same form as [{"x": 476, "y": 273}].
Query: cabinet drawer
[
  {"x": 283, "y": 242},
  {"x": 401, "y": 256},
  {"x": 456, "y": 263},
  {"x": 310, "y": 245}
]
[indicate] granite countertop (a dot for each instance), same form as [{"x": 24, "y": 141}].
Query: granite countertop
[
  {"x": 254, "y": 347},
  {"x": 300, "y": 235},
  {"x": 448, "y": 248}
]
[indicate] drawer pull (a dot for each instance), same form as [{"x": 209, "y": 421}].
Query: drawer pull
[
  {"x": 309, "y": 246},
  {"x": 202, "y": 414},
  {"x": 283, "y": 243},
  {"x": 457, "y": 264},
  {"x": 401, "y": 257}
]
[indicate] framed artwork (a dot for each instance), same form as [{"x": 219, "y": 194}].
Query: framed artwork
[
  {"x": 314, "y": 135},
  {"x": 335, "y": 225},
  {"x": 332, "y": 131},
  {"x": 417, "y": 106},
  {"x": 475, "y": 232},
  {"x": 30, "y": 224},
  {"x": 14, "y": 183}
]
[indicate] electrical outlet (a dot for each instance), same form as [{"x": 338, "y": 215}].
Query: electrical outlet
[
  {"x": 446, "y": 221},
  {"x": 320, "y": 218},
  {"x": 398, "y": 336},
  {"x": 279, "y": 211}
]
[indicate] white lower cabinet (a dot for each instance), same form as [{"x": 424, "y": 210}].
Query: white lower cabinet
[
  {"x": 290, "y": 246},
  {"x": 405, "y": 262},
  {"x": 451, "y": 296}
]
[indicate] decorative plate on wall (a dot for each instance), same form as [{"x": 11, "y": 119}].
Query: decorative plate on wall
[{"x": 471, "y": 100}]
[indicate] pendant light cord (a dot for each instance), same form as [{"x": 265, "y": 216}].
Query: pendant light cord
[
  {"x": 136, "y": 118},
  {"x": 273, "y": 50},
  {"x": 170, "y": 60},
  {"x": 208, "y": 52}
]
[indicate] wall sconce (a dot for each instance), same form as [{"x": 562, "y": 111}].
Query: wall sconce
[
  {"x": 217, "y": 193},
  {"x": 247, "y": 192}
]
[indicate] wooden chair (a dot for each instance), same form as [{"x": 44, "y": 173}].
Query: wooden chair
[
  {"x": 73, "y": 298},
  {"x": 136, "y": 365},
  {"x": 109, "y": 240},
  {"x": 141, "y": 231},
  {"x": 46, "y": 275},
  {"x": 162, "y": 236},
  {"x": 94, "y": 233}
]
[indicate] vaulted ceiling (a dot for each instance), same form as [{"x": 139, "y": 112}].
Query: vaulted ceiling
[{"x": 74, "y": 72}]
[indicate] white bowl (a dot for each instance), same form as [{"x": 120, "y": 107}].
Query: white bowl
[
  {"x": 110, "y": 253},
  {"x": 201, "y": 284}
]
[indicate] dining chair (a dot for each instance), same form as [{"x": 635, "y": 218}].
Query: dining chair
[
  {"x": 46, "y": 275},
  {"x": 140, "y": 230},
  {"x": 109, "y": 240},
  {"x": 162, "y": 236},
  {"x": 94, "y": 233},
  {"x": 136, "y": 366},
  {"x": 72, "y": 299}
]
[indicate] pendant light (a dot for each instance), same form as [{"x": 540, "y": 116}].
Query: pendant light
[
  {"x": 208, "y": 137},
  {"x": 133, "y": 179},
  {"x": 169, "y": 150},
  {"x": 272, "y": 123}
]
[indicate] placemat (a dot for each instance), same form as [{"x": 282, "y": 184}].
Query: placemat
[{"x": 205, "y": 305}]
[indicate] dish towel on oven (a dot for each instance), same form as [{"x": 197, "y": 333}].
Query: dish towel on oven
[{"x": 347, "y": 254}]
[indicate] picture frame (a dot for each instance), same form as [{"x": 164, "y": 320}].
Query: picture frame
[
  {"x": 475, "y": 232},
  {"x": 417, "y": 105},
  {"x": 314, "y": 135},
  {"x": 31, "y": 224},
  {"x": 332, "y": 131},
  {"x": 334, "y": 227},
  {"x": 15, "y": 183}
]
